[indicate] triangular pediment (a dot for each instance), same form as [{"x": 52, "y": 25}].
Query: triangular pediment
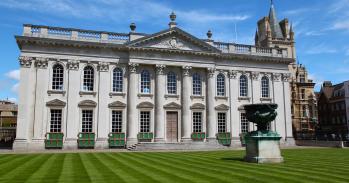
[
  {"x": 117, "y": 104},
  {"x": 172, "y": 105},
  {"x": 222, "y": 107},
  {"x": 87, "y": 103},
  {"x": 174, "y": 39},
  {"x": 55, "y": 103}
]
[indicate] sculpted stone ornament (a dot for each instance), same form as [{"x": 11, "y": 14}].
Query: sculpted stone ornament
[
  {"x": 133, "y": 67},
  {"x": 277, "y": 77},
  {"x": 262, "y": 146},
  {"x": 73, "y": 64},
  {"x": 255, "y": 75},
  {"x": 286, "y": 77},
  {"x": 186, "y": 70},
  {"x": 25, "y": 61},
  {"x": 211, "y": 72},
  {"x": 41, "y": 63},
  {"x": 103, "y": 66},
  {"x": 233, "y": 74},
  {"x": 160, "y": 69}
]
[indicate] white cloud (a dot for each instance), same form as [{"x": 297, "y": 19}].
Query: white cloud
[
  {"x": 317, "y": 79},
  {"x": 14, "y": 74},
  {"x": 320, "y": 49},
  {"x": 340, "y": 25},
  {"x": 314, "y": 33},
  {"x": 15, "y": 87},
  {"x": 13, "y": 99}
]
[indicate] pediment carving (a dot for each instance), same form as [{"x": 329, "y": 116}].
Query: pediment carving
[
  {"x": 145, "y": 105},
  {"x": 172, "y": 105},
  {"x": 117, "y": 104},
  {"x": 55, "y": 103},
  {"x": 198, "y": 106},
  {"x": 87, "y": 103},
  {"x": 222, "y": 107}
]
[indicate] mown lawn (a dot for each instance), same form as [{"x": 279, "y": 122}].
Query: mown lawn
[{"x": 301, "y": 165}]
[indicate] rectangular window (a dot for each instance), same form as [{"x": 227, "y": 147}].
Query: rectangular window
[
  {"x": 197, "y": 122},
  {"x": 116, "y": 124},
  {"x": 145, "y": 121},
  {"x": 56, "y": 120},
  {"x": 244, "y": 123},
  {"x": 222, "y": 124},
  {"x": 87, "y": 120},
  {"x": 302, "y": 78},
  {"x": 302, "y": 93}
]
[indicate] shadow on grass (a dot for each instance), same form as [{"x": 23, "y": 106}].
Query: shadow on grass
[{"x": 237, "y": 159}]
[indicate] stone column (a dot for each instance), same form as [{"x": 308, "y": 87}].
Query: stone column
[
  {"x": 132, "y": 123},
  {"x": 159, "y": 103},
  {"x": 287, "y": 110},
  {"x": 211, "y": 114},
  {"x": 25, "y": 103},
  {"x": 279, "y": 124},
  {"x": 186, "y": 112},
  {"x": 234, "y": 112},
  {"x": 40, "y": 108}
]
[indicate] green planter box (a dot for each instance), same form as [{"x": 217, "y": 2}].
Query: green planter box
[
  {"x": 54, "y": 140},
  {"x": 147, "y": 136},
  {"x": 116, "y": 140},
  {"x": 86, "y": 140},
  {"x": 224, "y": 138},
  {"x": 198, "y": 136}
]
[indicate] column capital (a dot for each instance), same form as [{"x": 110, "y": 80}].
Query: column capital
[
  {"x": 286, "y": 77},
  {"x": 103, "y": 66},
  {"x": 276, "y": 76},
  {"x": 133, "y": 67},
  {"x": 233, "y": 74},
  {"x": 160, "y": 69},
  {"x": 211, "y": 71},
  {"x": 25, "y": 61},
  {"x": 41, "y": 62},
  {"x": 255, "y": 75},
  {"x": 186, "y": 70},
  {"x": 73, "y": 64}
]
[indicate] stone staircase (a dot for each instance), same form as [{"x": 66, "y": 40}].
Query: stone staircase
[{"x": 146, "y": 146}]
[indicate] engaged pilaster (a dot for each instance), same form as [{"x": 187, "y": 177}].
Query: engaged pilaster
[{"x": 159, "y": 101}]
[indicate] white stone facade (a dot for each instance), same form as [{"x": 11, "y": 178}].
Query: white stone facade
[{"x": 171, "y": 50}]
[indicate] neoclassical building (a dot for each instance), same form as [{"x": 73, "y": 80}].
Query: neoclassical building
[{"x": 168, "y": 88}]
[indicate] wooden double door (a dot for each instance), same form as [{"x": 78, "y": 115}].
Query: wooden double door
[{"x": 172, "y": 126}]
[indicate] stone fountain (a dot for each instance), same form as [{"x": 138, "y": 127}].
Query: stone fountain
[{"x": 263, "y": 145}]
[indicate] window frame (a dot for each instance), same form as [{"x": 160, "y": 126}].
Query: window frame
[
  {"x": 82, "y": 121},
  {"x": 61, "y": 79},
  {"x": 54, "y": 129},
  {"x": 85, "y": 89},
  {"x": 196, "y": 84},
  {"x": 220, "y": 85},
  {"x": 197, "y": 126},
  {"x": 117, "y": 80},
  {"x": 222, "y": 124},
  {"x": 265, "y": 87},
  {"x": 244, "y": 123},
  {"x": 173, "y": 82},
  {"x": 145, "y": 83},
  {"x": 146, "y": 126},
  {"x": 117, "y": 125},
  {"x": 243, "y": 90}
]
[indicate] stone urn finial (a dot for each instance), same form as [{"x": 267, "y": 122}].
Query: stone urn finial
[
  {"x": 209, "y": 34},
  {"x": 173, "y": 17},
  {"x": 133, "y": 27}
]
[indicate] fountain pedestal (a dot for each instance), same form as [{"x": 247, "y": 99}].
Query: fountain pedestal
[{"x": 263, "y": 147}]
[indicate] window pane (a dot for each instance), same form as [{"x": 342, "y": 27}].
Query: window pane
[
  {"x": 145, "y": 121},
  {"x": 88, "y": 78},
  {"x": 221, "y": 122},
  {"x": 244, "y": 123},
  {"x": 243, "y": 86},
  {"x": 87, "y": 120},
  {"x": 57, "y": 77},
  {"x": 116, "y": 121},
  {"x": 117, "y": 80},
  {"x": 196, "y": 84},
  {"x": 265, "y": 87},
  {"x": 221, "y": 85},
  {"x": 171, "y": 83},
  {"x": 56, "y": 120},
  {"x": 197, "y": 122},
  {"x": 145, "y": 82}
]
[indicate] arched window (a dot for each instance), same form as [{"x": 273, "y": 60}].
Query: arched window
[
  {"x": 88, "y": 81},
  {"x": 243, "y": 86},
  {"x": 117, "y": 80},
  {"x": 171, "y": 83},
  {"x": 265, "y": 87},
  {"x": 57, "y": 77},
  {"x": 196, "y": 84},
  {"x": 220, "y": 84},
  {"x": 145, "y": 82}
]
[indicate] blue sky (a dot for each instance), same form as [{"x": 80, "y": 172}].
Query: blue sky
[{"x": 321, "y": 27}]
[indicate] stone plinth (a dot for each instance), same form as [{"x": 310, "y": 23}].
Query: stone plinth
[{"x": 263, "y": 147}]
